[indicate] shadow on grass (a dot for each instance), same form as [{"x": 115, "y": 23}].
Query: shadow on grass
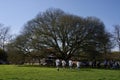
[{"x": 41, "y": 66}]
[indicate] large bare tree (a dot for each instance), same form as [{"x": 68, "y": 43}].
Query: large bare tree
[{"x": 67, "y": 34}]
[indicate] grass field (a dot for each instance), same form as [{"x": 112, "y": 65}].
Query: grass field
[{"x": 13, "y": 72}]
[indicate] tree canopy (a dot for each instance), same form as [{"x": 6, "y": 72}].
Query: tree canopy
[{"x": 66, "y": 34}]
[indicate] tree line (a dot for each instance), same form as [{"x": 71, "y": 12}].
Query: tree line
[{"x": 61, "y": 34}]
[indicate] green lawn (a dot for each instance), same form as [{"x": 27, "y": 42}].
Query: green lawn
[{"x": 12, "y": 72}]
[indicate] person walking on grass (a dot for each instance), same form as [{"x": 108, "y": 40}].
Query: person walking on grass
[
  {"x": 70, "y": 64},
  {"x": 78, "y": 64},
  {"x": 57, "y": 64},
  {"x": 63, "y": 63}
]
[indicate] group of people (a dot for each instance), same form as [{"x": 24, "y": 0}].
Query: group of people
[
  {"x": 59, "y": 62},
  {"x": 111, "y": 64},
  {"x": 94, "y": 64}
]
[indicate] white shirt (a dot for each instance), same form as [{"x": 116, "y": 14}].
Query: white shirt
[
  {"x": 78, "y": 64},
  {"x": 57, "y": 62},
  {"x": 63, "y": 63},
  {"x": 70, "y": 63}
]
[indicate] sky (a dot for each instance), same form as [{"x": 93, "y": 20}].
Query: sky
[{"x": 15, "y": 13}]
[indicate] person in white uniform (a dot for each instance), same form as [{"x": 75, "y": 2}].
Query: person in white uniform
[
  {"x": 78, "y": 64},
  {"x": 63, "y": 63},
  {"x": 70, "y": 64},
  {"x": 57, "y": 64}
]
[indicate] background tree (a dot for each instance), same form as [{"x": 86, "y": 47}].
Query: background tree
[
  {"x": 4, "y": 36},
  {"x": 22, "y": 48},
  {"x": 4, "y": 40},
  {"x": 14, "y": 56},
  {"x": 3, "y": 57},
  {"x": 117, "y": 35}
]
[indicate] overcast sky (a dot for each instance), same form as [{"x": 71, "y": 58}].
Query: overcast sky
[{"x": 15, "y": 13}]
